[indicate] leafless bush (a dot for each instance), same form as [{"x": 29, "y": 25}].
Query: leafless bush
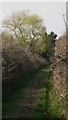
[{"x": 17, "y": 63}]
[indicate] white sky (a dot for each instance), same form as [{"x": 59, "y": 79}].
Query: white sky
[{"x": 50, "y": 12}]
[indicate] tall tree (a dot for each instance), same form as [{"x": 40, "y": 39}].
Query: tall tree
[{"x": 28, "y": 29}]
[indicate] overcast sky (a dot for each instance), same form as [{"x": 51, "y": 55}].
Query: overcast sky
[{"x": 51, "y": 13}]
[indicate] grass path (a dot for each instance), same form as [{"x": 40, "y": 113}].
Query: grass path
[{"x": 32, "y": 99}]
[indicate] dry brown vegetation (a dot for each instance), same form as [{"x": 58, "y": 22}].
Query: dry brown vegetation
[
  {"x": 17, "y": 63},
  {"x": 60, "y": 70}
]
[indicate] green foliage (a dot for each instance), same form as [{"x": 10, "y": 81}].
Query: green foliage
[
  {"x": 50, "y": 46},
  {"x": 28, "y": 29}
]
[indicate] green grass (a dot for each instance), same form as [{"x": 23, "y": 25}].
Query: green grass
[
  {"x": 46, "y": 101},
  {"x": 8, "y": 103},
  {"x": 56, "y": 108},
  {"x": 40, "y": 109}
]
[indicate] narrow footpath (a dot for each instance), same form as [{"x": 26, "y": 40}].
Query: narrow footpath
[{"x": 32, "y": 100}]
